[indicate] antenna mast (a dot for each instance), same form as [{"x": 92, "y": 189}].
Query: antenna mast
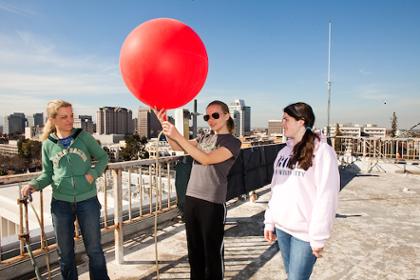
[{"x": 329, "y": 80}]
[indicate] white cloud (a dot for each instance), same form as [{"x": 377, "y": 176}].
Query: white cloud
[
  {"x": 16, "y": 10},
  {"x": 374, "y": 92},
  {"x": 34, "y": 67},
  {"x": 365, "y": 72},
  {"x": 21, "y": 103},
  {"x": 57, "y": 84}
]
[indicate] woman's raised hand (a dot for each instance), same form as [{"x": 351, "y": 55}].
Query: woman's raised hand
[
  {"x": 170, "y": 130},
  {"x": 160, "y": 114}
]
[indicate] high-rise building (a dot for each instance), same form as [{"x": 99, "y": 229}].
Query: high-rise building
[
  {"x": 84, "y": 122},
  {"x": 135, "y": 126},
  {"x": 148, "y": 123},
  {"x": 14, "y": 123},
  {"x": 114, "y": 120},
  {"x": 30, "y": 122},
  {"x": 36, "y": 119},
  {"x": 274, "y": 128},
  {"x": 241, "y": 115}
]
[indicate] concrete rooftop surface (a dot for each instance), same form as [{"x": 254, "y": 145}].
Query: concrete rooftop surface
[{"x": 376, "y": 236}]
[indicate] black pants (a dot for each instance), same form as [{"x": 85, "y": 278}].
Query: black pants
[{"x": 204, "y": 223}]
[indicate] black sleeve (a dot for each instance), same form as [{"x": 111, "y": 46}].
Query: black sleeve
[{"x": 232, "y": 143}]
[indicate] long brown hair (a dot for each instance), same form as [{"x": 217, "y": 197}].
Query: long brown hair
[
  {"x": 230, "y": 123},
  {"x": 303, "y": 150},
  {"x": 52, "y": 110}
]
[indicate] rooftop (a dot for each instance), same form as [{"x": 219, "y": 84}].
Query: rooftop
[{"x": 375, "y": 236}]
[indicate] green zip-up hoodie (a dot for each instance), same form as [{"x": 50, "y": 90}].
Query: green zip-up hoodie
[{"x": 65, "y": 169}]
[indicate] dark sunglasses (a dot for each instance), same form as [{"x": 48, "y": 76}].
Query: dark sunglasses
[{"x": 214, "y": 116}]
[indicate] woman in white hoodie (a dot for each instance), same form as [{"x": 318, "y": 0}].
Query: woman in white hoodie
[{"x": 304, "y": 194}]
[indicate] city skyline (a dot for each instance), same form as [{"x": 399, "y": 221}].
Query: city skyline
[{"x": 268, "y": 53}]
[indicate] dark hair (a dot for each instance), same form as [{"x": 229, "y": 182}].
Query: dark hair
[
  {"x": 230, "y": 124},
  {"x": 303, "y": 150}
]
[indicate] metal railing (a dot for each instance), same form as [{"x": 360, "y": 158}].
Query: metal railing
[
  {"x": 128, "y": 191},
  {"x": 379, "y": 148}
]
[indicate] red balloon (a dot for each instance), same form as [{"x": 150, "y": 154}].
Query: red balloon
[{"x": 164, "y": 63}]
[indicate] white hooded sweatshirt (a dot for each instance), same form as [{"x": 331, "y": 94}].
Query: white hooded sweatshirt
[{"x": 304, "y": 203}]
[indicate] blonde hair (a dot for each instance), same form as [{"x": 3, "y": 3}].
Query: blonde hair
[{"x": 52, "y": 110}]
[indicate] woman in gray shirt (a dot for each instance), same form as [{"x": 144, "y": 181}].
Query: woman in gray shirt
[{"x": 205, "y": 210}]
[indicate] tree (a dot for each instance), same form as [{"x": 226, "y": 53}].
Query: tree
[
  {"x": 394, "y": 125},
  {"x": 14, "y": 165},
  {"x": 4, "y": 166},
  {"x": 134, "y": 148},
  {"x": 338, "y": 140},
  {"x": 111, "y": 155},
  {"x": 30, "y": 152}
]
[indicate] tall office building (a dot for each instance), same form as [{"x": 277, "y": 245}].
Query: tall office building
[
  {"x": 14, "y": 123},
  {"x": 30, "y": 122},
  {"x": 36, "y": 119},
  {"x": 135, "y": 126},
  {"x": 241, "y": 115},
  {"x": 114, "y": 120},
  {"x": 148, "y": 123},
  {"x": 85, "y": 122}
]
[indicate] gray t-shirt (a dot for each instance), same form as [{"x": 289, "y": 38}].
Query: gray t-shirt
[{"x": 210, "y": 182}]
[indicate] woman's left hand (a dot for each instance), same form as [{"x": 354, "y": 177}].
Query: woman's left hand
[
  {"x": 317, "y": 252},
  {"x": 89, "y": 178},
  {"x": 170, "y": 130}
]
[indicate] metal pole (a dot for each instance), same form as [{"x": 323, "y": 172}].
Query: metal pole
[
  {"x": 329, "y": 79},
  {"x": 195, "y": 114}
]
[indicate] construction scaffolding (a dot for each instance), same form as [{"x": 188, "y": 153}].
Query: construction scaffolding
[{"x": 382, "y": 148}]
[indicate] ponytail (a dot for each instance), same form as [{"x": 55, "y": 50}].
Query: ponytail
[
  {"x": 230, "y": 125},
  {"x": 303, "y": 151},
  {"x": 48, "y": 129}
]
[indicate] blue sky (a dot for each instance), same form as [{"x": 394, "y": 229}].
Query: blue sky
[{"x": 269, "y": 53}]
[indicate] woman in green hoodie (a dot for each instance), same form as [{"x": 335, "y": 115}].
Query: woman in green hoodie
[{"x": 67, "y": 166}]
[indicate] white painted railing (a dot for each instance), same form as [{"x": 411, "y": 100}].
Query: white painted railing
[{"x": 128, "y": 191}]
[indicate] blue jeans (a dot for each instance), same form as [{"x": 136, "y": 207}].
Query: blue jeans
[
  {"x": 297, "y": 256},
  {"x": 87, "y": 213}
]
